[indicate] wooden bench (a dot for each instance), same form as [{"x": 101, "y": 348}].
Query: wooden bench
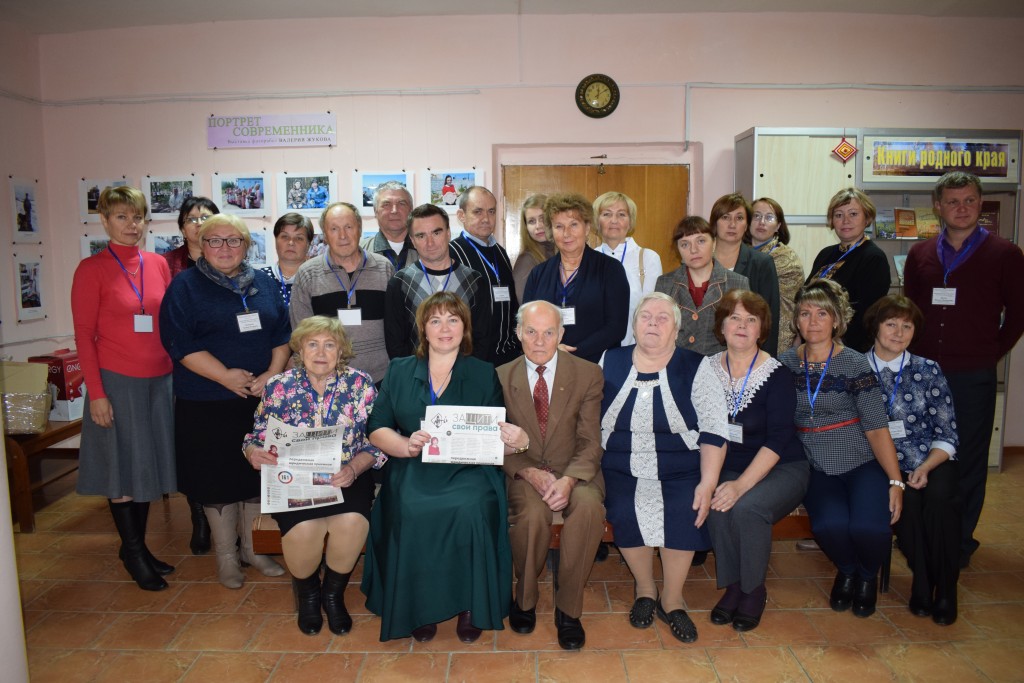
[{"x": 22, "y": 447}]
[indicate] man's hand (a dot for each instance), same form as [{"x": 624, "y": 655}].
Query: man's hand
[{"x": 557, "y": 496}]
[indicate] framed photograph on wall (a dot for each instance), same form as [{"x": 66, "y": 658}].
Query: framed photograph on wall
[
  {"x": 28, "y": 275},
  {"x": 25, "y": 227},
  {"x": 93, "y": 244},
  {"x": 365, "y": 184},
  {"x": 306, "y": 193},
  {"x": 165, "y": 194},
  {"x": 243, "y": 194},
  {"x": 257, "y": 254},
  {"x": 163, "y": 241},
  {"x": 89, "y": 190},
  {"x": 446, "y": 185}
]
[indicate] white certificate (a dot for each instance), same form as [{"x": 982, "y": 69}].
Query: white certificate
[{"x": 464, "y": 435}]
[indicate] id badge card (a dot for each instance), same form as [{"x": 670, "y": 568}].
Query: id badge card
[
  {"x": 897, "y": 430},
  {"x": 568, "y": 315},
  {"x": 735, "y": 432},
  {"x": 143, "y": 322},
  {"x": 350, "y": 317},
  {"x": 500, "y": 294},
  {"x": 944, "y": 296},
  {"x": 249, "y": 322}
]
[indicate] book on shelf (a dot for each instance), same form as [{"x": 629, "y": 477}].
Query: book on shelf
[
  {"x": 906, "y": 223},
  {"x": 927, "y": 222},
  {"x": 885, "y": 225}
]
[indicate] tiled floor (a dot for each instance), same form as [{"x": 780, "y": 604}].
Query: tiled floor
[{"x": 86, "y": 621}]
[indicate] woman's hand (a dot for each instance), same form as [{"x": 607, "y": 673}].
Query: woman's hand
[
  {"x": 237, "y": 381},
  {"x": 895, "y": 503},
  {"x": 258, "y": 457},
  {"x": 417, "y": 442},
  {"x": 101, "y": 412},
  {"x": 345, "y": 477},
  {"x": 513, "y": 437},
  {"x": 918, "y": 479},
  {"x": 726, "y": 496},
  {"x": 260, "y": 381},
  {"x": 702, "y": 502},
  {"x": 567, "y": 348}
]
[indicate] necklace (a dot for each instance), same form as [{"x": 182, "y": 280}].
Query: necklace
[{"x": 436, "y": 389}]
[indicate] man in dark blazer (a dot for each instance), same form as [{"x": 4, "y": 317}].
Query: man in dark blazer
[{"x": 560, "y": 409}]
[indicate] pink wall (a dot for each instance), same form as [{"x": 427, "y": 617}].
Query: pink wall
[{"x": 523, "y": 71}]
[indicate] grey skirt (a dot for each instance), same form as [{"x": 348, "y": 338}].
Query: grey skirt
[{"x": 135, "y": 456}]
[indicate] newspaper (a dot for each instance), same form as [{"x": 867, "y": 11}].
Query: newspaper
[
  {"x": 307, "y": 458},
  {"x": 465, "y": 435}
]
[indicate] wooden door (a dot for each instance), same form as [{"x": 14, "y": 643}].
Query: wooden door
[{"x": 659, "y": 190}]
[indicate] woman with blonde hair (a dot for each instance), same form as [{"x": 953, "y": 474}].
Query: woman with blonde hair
[{"x": 535, "y": 239}]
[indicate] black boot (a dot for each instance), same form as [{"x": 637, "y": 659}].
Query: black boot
[
  {"x": 200, "y": 541},
  {"x": 338, "y": 619},
  {"x": 133, "y": 548},
  {"x": 307, "y": 603},
  {"x": 141, "y": 511}
]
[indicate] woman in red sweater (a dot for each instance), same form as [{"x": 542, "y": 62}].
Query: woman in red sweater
[{"x": 127, "y": 451}]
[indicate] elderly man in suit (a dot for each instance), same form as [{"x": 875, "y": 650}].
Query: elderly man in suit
[{"x": 555, "y": 398}]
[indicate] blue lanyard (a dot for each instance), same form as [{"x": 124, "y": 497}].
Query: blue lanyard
[
  {"x": 394, "y": 260},
  {"x": 142, "y": 281},
  {"x": 774, "y": 246},
  {"x": 846, "y": 253},
  {"x": 739, "y": 397},
  {"x": 622, "y": 260},
  {"x": 245, "y": 302},
  {"x": 973, "y": 241},
  {"x": 427, "y": 275},
  {"x": 494, "y": 268},
  {"x": 807, "y": 376},
  {"x": 328, "y": 400},
  {"x": 896, "y": 383},
  {"x": 348, "y": 290},
  {"x": 568, "y": 279},
  {"x": 286, "y": 293}
]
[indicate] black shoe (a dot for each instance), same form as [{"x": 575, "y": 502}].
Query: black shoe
[
  {"x": 425, "y": 633},
  {"x": 920, "y": 607},
  {"x": 571, "y": 635},
  {"x": 521, "y": 620},
  {"x": 679, "y": 623},
  {"x": 199, "y": 544},
  {"x": 464, "y": 628},
  {"x": 944, "y": 611},
  {"x": 602, "y": 552},
  {"x": 307, "y": 603},
  {"x": 723, "y": 612},
  {"x": 699, "y": 558},
  {"x": 749, "y": 610},
  {"x": 333, "y": 601},
  {"x": 133, "y": 553},
  {"x": 842, "y": 592},
  {"x": 641, "y": 615},
  {"x": 865, "y": 595}
]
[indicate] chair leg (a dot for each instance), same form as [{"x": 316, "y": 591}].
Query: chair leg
[{"x": 883, "y": 584}]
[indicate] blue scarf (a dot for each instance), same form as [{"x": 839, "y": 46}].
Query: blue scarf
[{"x": 241, "y": 284}]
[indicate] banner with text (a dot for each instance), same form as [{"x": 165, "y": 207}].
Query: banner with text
[
  {"x": 271, "y": 130},
  {"x": 924, "y": 160}
]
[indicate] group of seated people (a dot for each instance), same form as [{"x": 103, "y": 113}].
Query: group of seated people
[{"x": 691, "y": 409}]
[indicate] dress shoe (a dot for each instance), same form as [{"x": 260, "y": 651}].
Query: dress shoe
[
  {"x": 725, "y": 609},
  {"x": 571, "y": 635},
  {"x": 749, "y": 610},
  {"x": 641, "y": 615},
  {"x": 521, "y": 620},
  {"x": 424, "y": 633},
  {"x": 944, "y": 611},
  {"x": 842, "y": 592},
  {"x": 699, "y": 558},
  {"x": 602, "y": 552},
  {"x": 920, "y": 607},
  {"x": 679, "y": 623},
  {"x": 865, "y": 595},
  {"x": 464, "y": 628}
]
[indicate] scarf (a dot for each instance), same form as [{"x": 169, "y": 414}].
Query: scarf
[{"x": 241, "y": 284}]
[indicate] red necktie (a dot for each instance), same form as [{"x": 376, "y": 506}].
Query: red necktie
[{"x": 540, "y": 401}]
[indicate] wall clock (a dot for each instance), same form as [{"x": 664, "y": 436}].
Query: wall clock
[{"x": 597, "y": 96}]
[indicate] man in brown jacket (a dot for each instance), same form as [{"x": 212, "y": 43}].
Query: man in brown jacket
[{"x": 556, "y": 398}]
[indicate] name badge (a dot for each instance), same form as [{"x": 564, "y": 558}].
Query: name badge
[
  {"x": 568, "y": 315},
  {"x": 143, "y": 323},
  {"x": 944, "y": 296},
  {"x": 735, "y": 432},
  {"x": 249, "y": 322},
  {"x": 897, "y": 429},
  {"x": 500, "y": 293},
  {"x": 350, "y": 317}
]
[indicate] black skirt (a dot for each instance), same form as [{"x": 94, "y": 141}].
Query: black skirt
[
  {"x": 208, "y": 441},
  {"x": 358, "y": 498}
]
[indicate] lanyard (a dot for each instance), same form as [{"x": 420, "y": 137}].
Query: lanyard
[
  {"x": 774, "y": 246},
  {"x": 846, "y": 253},
  {"x": 973, "y": 241},
  {"x": 142, "y": 280},
  {"x": 568, "y": 279},
  {"x": 286, "y": 293},
  {"x": 622, "y": 260},
  {"x": 896, "y": 383},
  {"x": 494, "y": 268},
  {"x": 323, "y": 408},
  {"x": 739, "y": 396},
  {"x": 427, "y": 275},
  {"x": 393, "y": 259},
  {"x": 348, "y": 290},
  {"x": 807, "y": 376}
]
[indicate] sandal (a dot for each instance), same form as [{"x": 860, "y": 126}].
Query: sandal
[
  {"x": 641, "y": 615},
  {"x": 679, "y": 623}
]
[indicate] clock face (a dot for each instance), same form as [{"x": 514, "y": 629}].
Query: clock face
[{"x": 597, "y": 96}]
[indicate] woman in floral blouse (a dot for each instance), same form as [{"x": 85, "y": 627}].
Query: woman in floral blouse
[{"x": 323, "y": 392}]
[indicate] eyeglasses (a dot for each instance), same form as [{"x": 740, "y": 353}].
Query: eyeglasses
[
  {"x": 218, "y": 242},
  {"x": 197, "y": 220},
  {"x": 764, "y": 218}
]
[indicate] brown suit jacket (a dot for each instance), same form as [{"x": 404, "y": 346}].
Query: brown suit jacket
[{"x": 573, "y": 443}]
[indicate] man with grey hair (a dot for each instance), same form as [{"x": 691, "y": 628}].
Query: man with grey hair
[
  {"x": 392, "y": 203},
  {"x": 555, "y": 397},
  {"x": 476, "y": 248}
]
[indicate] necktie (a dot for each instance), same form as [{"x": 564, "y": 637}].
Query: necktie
[{"x": 540, "y": 401}]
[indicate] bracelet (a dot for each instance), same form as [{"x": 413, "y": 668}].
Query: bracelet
[
  {"x": 517, "y": 451},
  {"x": 897, "y": 482}
]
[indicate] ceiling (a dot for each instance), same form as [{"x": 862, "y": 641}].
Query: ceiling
[{"x": 68, "y": 16}]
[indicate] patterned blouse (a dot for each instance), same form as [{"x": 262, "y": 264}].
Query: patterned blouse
[
  {"x": 923, "y": 403},
  {"x": 347, "y": 400},
  {"x": 791, "y": 278}
]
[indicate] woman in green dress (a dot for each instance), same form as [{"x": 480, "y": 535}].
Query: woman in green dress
[{"x": 438, "y": 542}]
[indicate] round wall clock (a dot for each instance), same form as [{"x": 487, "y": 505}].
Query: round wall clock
[{"x": 597, "y": 96}]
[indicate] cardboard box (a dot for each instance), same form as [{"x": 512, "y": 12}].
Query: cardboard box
[
  {"x": 67, "y": 384},
  {"x": 25, "y": 397}
]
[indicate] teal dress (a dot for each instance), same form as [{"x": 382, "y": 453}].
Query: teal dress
[{"x": 438, "y": 541}]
